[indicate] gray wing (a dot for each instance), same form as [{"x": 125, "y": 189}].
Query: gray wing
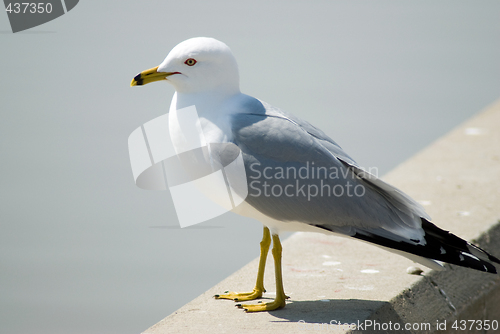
[
  {"x": 336, "y": 195},
  {"x": 396, "y": 196},
  {"x": 276, "y": 146}
]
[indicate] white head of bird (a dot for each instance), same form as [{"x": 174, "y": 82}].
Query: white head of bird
[{"x": 197, "y": 65}]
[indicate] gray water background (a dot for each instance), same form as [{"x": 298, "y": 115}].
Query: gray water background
[{"x": 83, "y": 250}]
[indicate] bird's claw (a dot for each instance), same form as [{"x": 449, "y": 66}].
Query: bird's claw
[
  {"x": 274, "y": 305},
  {"x": 241, "y": 296}
]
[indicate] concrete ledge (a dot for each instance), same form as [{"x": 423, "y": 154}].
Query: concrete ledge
[{"x": 335, "y": 280}]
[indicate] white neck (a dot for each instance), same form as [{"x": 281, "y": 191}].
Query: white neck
[{"x": 209, "y": 103}]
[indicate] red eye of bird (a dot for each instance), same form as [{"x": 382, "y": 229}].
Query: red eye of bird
[{"x": 190, "y": 62}]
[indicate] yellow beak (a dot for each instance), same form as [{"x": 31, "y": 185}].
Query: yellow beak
[{"x": 150, "y": 75}]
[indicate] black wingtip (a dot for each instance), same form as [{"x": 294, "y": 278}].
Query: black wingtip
[
  {"x": 492, "y": 258},
  {"x": 458, "y": 251},
  {"x": 439, "y": 245}
]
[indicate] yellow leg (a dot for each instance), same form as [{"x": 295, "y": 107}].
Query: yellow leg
[
  {"x": 259, "y": 286},
  {"x": 279, "y": 301}
]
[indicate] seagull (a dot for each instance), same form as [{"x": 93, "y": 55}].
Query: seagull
[{"x": 298, "y": 178}]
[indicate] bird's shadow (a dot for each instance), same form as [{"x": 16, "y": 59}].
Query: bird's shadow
[{"x": 339, "y": 312}]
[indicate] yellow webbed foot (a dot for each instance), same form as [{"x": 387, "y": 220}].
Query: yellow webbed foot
[
  {"x": 241, "y": 296},
  {"x": 274, "y": 305},
  {"x": 279, "y": 302}
]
